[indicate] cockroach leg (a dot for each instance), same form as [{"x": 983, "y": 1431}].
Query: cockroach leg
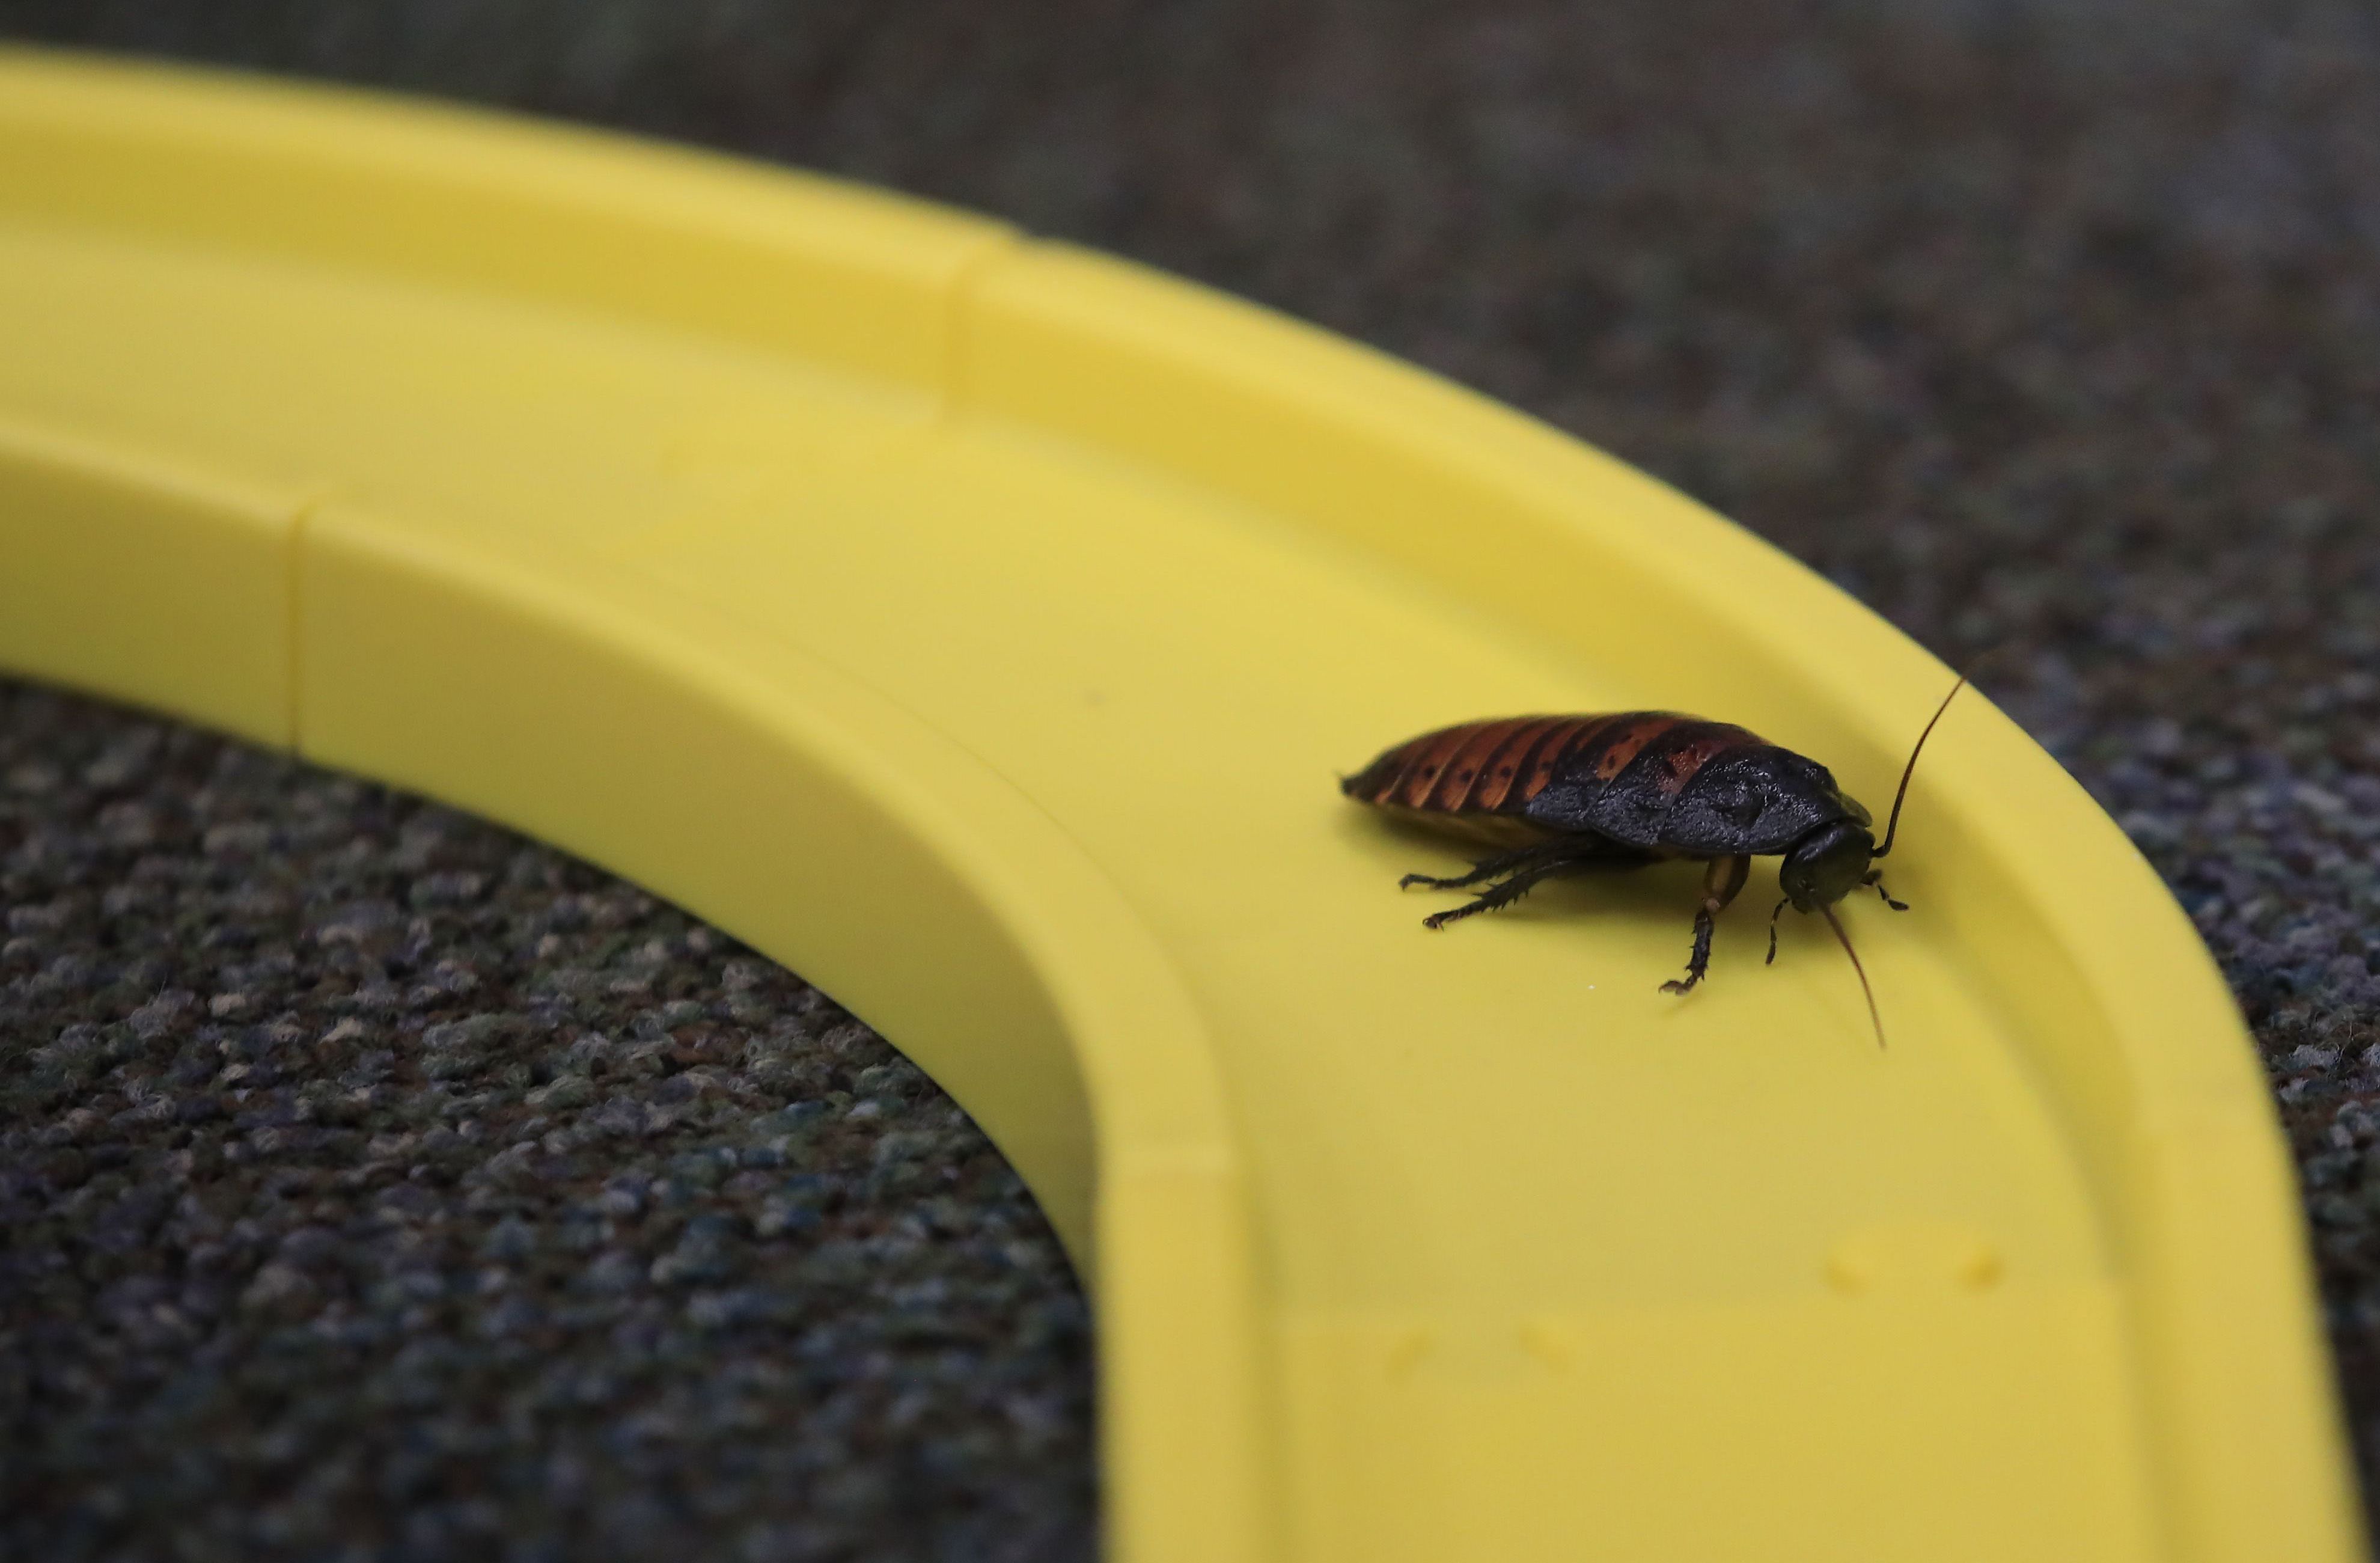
[
  {"x": 1503, "y": 895},
  {"x": 1551, "y": 861},
  {"x": 1492, "y": 867},
  {"x": 1876, "y": 879},
  {"x": 1721, "y": 882}
]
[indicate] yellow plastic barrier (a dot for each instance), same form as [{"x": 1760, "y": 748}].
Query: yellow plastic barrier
[{"x": 978, "y": 626}]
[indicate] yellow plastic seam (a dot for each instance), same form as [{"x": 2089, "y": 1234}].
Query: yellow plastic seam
[{"x": 460, "y": 198}]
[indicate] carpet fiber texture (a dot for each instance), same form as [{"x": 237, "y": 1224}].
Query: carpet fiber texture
[
  {"x": 2047, "y": 327},
  {"x": 376, "y": 1182}
]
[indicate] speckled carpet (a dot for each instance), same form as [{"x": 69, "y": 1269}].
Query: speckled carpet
[{"x": 378, "y": 1185}]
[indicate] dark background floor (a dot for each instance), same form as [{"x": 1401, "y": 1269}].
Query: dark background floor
[{"x": 2049, "y": 327}]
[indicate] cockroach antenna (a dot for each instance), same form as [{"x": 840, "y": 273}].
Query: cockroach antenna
[
  {"x": 1892, "y": 827},
  {"x": 1901, "y": 794},
  {"x": 1845, "y": 940}
]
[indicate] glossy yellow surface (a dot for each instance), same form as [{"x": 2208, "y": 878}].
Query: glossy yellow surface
[{"x": 978, "y": 627}]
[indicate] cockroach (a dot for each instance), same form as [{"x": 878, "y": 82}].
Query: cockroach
[{"x": 1572, "y": 795}]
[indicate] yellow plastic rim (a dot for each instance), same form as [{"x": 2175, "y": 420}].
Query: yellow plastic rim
[{"x": 976, "y": 626}]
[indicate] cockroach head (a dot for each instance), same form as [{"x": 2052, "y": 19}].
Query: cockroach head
[
  {"x": 1827, "y": 864},
  {"x": 1834, "y": 859}
]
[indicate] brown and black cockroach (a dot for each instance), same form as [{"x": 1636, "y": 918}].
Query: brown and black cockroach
[{"x": 1582, "y": 794}]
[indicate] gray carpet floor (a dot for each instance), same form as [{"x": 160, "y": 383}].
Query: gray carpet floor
[
  {"x": 378, "y": 1184},
  {"x": 2049, "y": 327}
]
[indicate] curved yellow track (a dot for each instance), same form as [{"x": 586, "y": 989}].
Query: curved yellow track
[{"x": 977, "y": 626}]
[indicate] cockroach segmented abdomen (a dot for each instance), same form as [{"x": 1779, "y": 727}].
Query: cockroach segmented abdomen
[{"x": 1495, "y": 766}]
